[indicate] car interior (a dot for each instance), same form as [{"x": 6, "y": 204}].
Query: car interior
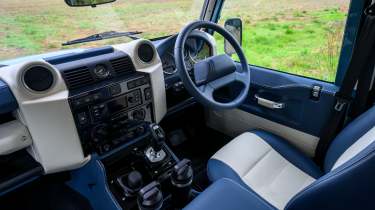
[{"x": 171, "y": 123}]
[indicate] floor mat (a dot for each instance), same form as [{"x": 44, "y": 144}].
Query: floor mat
[
  {"x": 189, "y": 137},
  {"x": 44, "y": 195},
  {"x": 199, "y": 147}
]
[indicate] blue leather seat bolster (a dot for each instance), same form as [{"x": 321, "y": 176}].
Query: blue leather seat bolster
[
  {"x": 217, "y": 170},
  {"x": 225, "y": 194},
  {"x": 292, "y": 154},
  {"x": 349, "y": 186},
  {"x": 348, "y": 136}
]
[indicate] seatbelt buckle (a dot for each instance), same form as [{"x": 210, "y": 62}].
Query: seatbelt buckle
[
  {"x": 340, "y": 104},
  {"x": 370, "y": 10}
]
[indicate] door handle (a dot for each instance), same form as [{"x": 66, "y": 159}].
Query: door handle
[{"x": 268, "y": 103}]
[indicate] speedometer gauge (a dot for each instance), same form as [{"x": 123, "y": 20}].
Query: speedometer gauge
[
  {"x": 169, "y": 66},
  {"x": 188, "y": 61}
]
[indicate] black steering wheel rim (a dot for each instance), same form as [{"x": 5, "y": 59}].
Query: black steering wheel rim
[{"x": 201, "y": 96}]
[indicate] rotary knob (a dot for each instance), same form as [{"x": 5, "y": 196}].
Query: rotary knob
[
  {"x": 100, "y": 132},
  {"x": 139, "y": 114}
]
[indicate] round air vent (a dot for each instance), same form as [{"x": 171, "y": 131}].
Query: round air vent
[
  {"x": 146, "y": 52},
  {"x": 38, "y": 78}
]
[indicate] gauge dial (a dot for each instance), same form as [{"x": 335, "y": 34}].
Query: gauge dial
[
  {"x": 188, "y": 61},
  {"x": 101, "y": 72},
  {"x": 169, "y": 66}
]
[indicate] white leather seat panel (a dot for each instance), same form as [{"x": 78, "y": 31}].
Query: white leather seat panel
[
  {"x": 361, "y": 144},
  {"x": 263, "y": 169}
]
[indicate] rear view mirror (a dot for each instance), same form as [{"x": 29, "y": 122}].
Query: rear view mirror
[
  {"x": 84, "y": 3},
  {"x": 234, "y": 26}
]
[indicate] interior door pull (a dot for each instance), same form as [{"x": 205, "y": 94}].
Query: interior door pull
[{"x": 268, "y": 103}]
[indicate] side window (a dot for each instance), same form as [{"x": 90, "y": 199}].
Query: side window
[{"x": 299, "y": 37}]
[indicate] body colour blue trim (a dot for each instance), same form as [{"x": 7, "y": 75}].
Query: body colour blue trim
[{"x": 7, "y": 101}]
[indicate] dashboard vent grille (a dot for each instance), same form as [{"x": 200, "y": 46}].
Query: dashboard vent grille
[
  {"x": 122, "y": 66},
  {"x": 78, "y": 77}
]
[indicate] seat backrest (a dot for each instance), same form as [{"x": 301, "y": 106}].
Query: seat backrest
[
  {"x": 352, "y": 140},
  {"x": 349, "y": 182}
]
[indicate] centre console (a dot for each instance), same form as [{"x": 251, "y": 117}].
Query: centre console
[
  {"x": 147, "y": 175},
  {"x": 107, "y": 117},
  {"x": 115, "y": 122},
  {"x": 114, "y": 108}
]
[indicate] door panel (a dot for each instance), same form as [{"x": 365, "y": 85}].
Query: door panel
[
  {"x": 301, "y": 112},
  {"x": 299, "y": 121}
]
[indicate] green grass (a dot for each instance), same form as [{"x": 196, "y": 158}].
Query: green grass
[
  {"x": 28, "y": 33},
  {"x": 298, "y": 45},
  {"x": 305, "y": 42},
  {"x": 39, "y": 26}
]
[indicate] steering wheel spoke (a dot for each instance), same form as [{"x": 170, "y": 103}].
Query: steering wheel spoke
[
  {"x": 241, "y": 77},
  {"x": 207, "y": 90}
]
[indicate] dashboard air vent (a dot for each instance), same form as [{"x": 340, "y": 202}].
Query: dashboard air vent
[
  {"x": 146, "y": 52},
  {"x": 122, "y": 66},
  {"x": 79, "y": 77},
  {"x": 38, "y": 78}
]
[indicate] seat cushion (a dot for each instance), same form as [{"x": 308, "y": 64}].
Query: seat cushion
[
  {"x": 226, "y": 194},
  {"x": 265, "y": 164}
]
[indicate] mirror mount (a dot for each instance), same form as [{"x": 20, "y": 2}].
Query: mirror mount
[
  {"x": 234, "y": 26},
  {"x": 85, "y": 3}
]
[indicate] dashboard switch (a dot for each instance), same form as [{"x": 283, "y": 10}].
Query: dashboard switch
[
  {"x": 82, "y": 118},
  {"x": 148, "y": 94},
  {"x": 115, "y": 89}
]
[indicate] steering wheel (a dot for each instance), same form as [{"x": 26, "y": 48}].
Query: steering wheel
[{"x": 214, "y": 72}]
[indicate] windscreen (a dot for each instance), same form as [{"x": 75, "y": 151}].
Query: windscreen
[{"x": 40, "y": 26}]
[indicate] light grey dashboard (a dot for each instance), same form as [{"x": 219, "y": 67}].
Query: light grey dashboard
[
  {"x": 44, "y": 123},
  {"x": 51, "y": 135}
]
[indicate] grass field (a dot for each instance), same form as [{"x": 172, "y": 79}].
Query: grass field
[
  {"x": 34, "y": 26},
  {"x": 298, "y": 36},
  {"x": 306, "y": 43}
]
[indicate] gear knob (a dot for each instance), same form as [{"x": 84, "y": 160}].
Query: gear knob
[
  {"x": 134, "y": 180},
  {"x": 150, "y": 197},
  {"x": 131, "y": 183},
  {"x": 158, "y": 137},
  {"x": 181, "y": 179},
  {"x": 182, "y": 173}
]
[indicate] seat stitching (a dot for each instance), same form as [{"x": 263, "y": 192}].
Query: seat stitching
[
  {"x": 256, "y": 162},
  {"x": 279, "y": 173}
]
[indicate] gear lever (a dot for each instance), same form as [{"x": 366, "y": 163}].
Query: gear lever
[
  {"x": 131, "y": 183},
  {"x": 155, "y": 152},
  {"x": 181, "y": 179},
  {"x": 150, "y": 197},
  {"x": 158, "y": 137}
]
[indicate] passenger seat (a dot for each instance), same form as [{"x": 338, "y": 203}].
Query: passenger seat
[{"x": 261, "y": 171}]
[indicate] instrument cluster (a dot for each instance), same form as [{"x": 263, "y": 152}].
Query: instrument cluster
[{"x": 195, "y": 51}]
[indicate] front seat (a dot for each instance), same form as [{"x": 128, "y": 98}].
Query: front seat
[{"x": 269, "y": 167}]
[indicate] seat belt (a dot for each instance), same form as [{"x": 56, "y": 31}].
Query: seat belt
[
  {"x": 365, "y": 88},
  {"x": 359, "y": 61}
]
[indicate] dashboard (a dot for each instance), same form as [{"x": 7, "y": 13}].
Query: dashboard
[
  {"x": 64, "y": 107},
  {"x": 70, "y": 104}
]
